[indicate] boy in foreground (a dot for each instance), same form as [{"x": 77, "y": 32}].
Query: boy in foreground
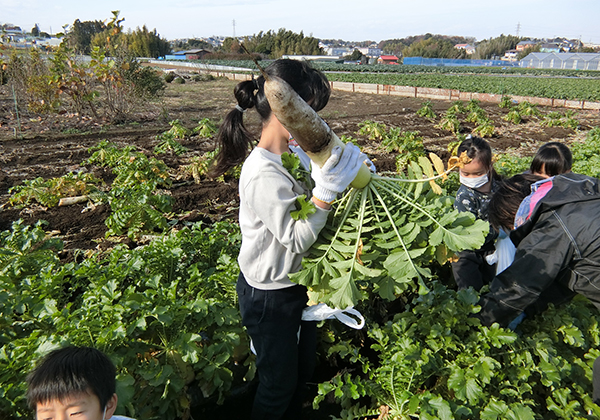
[{"x": 73, "y": 383}]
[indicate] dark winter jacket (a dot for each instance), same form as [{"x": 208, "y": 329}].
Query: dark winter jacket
[{"x": 558, "y": 252}]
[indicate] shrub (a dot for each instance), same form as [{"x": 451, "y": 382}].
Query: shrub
[
  {"x": 169, "y": 77},
  {"x": 179, "y": 80},
  {"x": 203, "y": 77},
  {"x": 146, "y": 81}
]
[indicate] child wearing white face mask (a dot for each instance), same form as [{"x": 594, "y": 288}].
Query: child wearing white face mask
[
  {"x": 478, "y": 181},
  {"x": 74, "y": 382}
]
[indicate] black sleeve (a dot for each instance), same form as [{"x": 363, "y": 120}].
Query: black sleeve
[{"x": 539, "y": 259}]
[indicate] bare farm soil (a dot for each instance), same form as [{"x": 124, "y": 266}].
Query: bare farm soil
[{"x": 34, "y": 146}]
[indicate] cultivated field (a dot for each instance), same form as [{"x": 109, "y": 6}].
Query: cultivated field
[{"x": 163, "y": 302}]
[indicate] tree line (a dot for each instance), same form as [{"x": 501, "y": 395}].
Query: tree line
[
  {"x": 273, "y": 44},
  {"x": 82, "y": 37}
]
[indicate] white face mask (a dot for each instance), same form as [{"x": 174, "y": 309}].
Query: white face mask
[
  {"x": 104, "y": 414},
  {"x": 474, "y": 183}
]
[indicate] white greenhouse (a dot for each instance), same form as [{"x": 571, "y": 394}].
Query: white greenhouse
[{"x": 569, "y": 61}]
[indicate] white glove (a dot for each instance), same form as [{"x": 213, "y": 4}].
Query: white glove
[{"x": 337, "y": 173}]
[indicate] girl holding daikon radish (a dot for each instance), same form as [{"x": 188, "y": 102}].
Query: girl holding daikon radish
[{"x": 273, "y": 242}]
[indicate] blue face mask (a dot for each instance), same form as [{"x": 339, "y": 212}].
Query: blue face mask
[{"x": 474, "y": 183}]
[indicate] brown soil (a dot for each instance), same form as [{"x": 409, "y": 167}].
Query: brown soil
[{"x": 52, "y": 146}]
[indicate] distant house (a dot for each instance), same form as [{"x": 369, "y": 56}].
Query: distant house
[
  {"x": 195, "y": 54},
  {"x": 339, "y": 51},
  {"x": 387, "y": 59},
  {"x": 549, "y": 48},
  {"x": 525, "y": 44},
  {"x": 370, "y": 51},
  {"x": 510, "y": 55},
  {"x": 470, "y": 49},
  {"x": 50, "y": 42}
]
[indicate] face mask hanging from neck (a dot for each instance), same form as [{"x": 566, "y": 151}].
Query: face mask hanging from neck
[{"x": 474, "y": 183}]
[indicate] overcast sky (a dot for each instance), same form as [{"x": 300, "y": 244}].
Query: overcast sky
[{"x": 349, "y": 20}]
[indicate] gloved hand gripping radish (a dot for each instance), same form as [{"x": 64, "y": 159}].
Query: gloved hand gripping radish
[
  {"x": 313, "y": 134},
  {"x": 337, "y": 173}
]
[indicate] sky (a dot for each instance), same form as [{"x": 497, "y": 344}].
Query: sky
[{"x": 349, "y": 20}]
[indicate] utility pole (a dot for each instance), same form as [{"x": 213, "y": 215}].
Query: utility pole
[{"x": 518, "y": 28}]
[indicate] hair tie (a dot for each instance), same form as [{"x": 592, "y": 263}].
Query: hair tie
[{"x": 239, "y": 108}]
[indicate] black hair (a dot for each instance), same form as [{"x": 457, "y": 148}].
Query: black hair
[
  {"x": 478, "y": 148},
  {"x": 506, "y": 200},
  {"x": 552, "y": 159},
  {"x": 233, "y": 139},
  {"x": 72, "y": 370}
]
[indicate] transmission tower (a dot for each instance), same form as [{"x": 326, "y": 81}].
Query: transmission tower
[
  {"x": 234, "y": 28},
  {"x": 518, "y": 28}
]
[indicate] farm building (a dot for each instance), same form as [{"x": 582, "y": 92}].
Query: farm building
[
  {"x": 575, "y": 61},
  {"x": 388, "y": 59},
  {"x": 195, "y": 54},
  {"x": 177, "y": 55}
]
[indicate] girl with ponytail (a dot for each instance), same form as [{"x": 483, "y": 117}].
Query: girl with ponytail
[{"x": 273, "y": 242}]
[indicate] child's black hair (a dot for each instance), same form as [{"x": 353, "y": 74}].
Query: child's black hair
[
  {"x": 233, "y": 138},
  {"x": 552, "y": 159},
  {"x": 478, "y": 148},
  {"x": 506, "y": 200},
  {"x": 70, "y": 371}
]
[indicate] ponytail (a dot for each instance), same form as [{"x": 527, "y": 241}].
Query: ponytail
[{"x": 233, "y": 139}]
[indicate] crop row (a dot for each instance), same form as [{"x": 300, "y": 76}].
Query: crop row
[
  {"x": 557, "y": 88},
  {"x": 411, "y": 69}
]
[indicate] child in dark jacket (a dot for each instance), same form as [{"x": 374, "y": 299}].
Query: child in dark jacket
[
  {"x": 478, "y": 182},
  {"x": 557, "y": 234}
]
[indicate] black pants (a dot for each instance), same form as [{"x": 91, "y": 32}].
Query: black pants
[
  {"x": 472, "y": 269},
  {"x": 284, "y": 360},
  {"x": 596, "y": 381}
]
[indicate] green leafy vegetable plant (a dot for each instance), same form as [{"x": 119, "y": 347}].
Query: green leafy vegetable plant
[
  {"x": 166, "y": 314},
  {"x": 514, "y": 116},
  {"x": 168, "y": 139},
  {"x": 48, "y": 192},
  {"x": 436, "y": 361},
  {"x": 206, "y": 128},
  {"x": 426, "y": 110},
  {"x": 372, "y": 129},
  {"x": 382, "y": 237},
  {"x": 506, "y": 102},
  {"x": 556, "y": 119},
  {"x": 484, "y": 128},
  {"x": 449, "y": 122},
  {"x": 585, "y": 154}
]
